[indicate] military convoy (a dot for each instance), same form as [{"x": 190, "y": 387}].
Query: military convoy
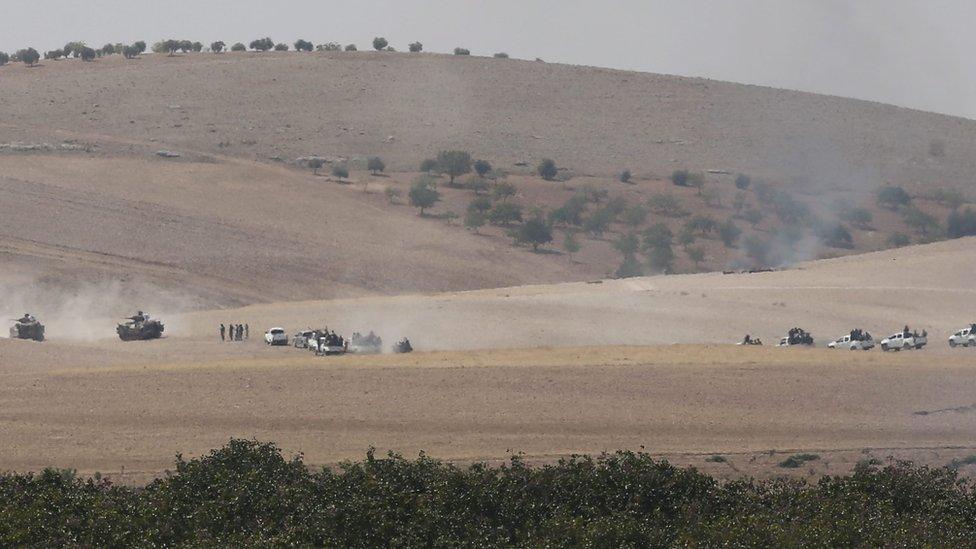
[
  {"x": 140, "y": 327},
  {"x": 27, "y": 327}
]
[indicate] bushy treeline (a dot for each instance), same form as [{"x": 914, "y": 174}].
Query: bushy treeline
[{"x": 248, "y": 494}]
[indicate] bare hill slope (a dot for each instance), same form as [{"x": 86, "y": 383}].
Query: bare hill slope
[{"x": 404, "y": 107}]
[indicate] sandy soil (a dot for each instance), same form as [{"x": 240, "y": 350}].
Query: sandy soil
[{"x": 753, "y": 406}]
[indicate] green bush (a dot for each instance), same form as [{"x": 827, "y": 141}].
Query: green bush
[
  {"x": 249, "y": 494},
  {"x": 547, "y": 169},
  {"x": 217, "y": 47},
  {"x": 350, "y": 47},
  {"x": 380, "y": 43},
  {"x": 28, "y": 56},
  {"x": 462, "y": 51},
  {"x": 416, "y": 47},
  {"x": 238, "y": 47},
  {"x": 281, "y": 46}
]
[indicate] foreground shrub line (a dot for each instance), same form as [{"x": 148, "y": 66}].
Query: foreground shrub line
[{"x": 247, "y": 493}]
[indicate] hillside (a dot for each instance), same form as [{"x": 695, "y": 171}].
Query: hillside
[{"x": 92, "y": 216}]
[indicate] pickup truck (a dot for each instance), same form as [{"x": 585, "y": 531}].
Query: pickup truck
[
  {"x": 965, "y": 337},
  {"x": 898, "y": 342},
  {"x": 847, "y": 343}
]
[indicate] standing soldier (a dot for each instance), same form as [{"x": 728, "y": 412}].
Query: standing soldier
[
  {"x": 247, "y": 331},
  {"x": 222, "y": 330}
]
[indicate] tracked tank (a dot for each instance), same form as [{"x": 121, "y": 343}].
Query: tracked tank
[
  {"x": 140, "y": 327},
  {"x": 27, "y": 327}
]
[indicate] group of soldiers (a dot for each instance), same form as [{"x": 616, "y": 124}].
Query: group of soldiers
[
  {"x": 907, "y": 333},
  {"x": 749, "y": 340},
  {"x": 799, "y": 336},
  {"x": 234, "y": 332},
  {"x": 858, "y": 334},
  {"x": 331, "y": 339},
  {"x": 27, "y": 319}
]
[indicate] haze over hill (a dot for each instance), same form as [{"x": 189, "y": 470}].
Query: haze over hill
[{"x": 88, "y": 204}]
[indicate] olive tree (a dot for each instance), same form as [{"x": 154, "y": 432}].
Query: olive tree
[
  {"x": 380, "y": 43},
  {"x": 534, "y": 232},
  {"x": 28, "y": 56},
  {"x": 303, "y": 45},
  {"x": 316, "y": 164},
  {"x": 375, "y": 165},
  {"x": 262, "y": 44},
  {"x": 217, "y": 47},
  {"x": 4, "y": 58},
  {"x": 281, "y": 46},
  {"x": 238, "y": 47},
  {"x": 416, "y": 47},
  {"x": 423, "y": 194},
  {"x": 454, "y": 163}
]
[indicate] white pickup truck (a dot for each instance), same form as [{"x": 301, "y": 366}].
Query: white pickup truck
[
  {"x": 898, "y": 342},
  {"x": 853, "y": 344},
  {"x": 965, "y": 338}
]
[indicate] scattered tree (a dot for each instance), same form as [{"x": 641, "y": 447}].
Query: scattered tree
[
  {"x": 627, "y": 244},
  {"x": 462, "y": 51},
  {"x": 924, "y": 224},
  {"x": 380, "y": 43},
  {"x": 198, "y": 47},
  {"x": 892, "y": 197},
  {"x": 303, "y": 45},
  {"x": 107, "y": 49},
  {"x": 262, "y": 44},
  {"x": 238, "y": 47},
  {"x": 416, "y": 47},
  {"x": 961, "y": 223},
  {"x": 657, "y": 246},
  {"x": 598, "y": 222},
  {"x": 375, "y": 165},
  {"x": 535, "y": 232},
  {"x": 28, "y": 56},
  {"x": 547, "y": 169},
  {"x": 739, "y": 202},
  {"x": 4, "y": 58},
  {"x": 897, "y": 240},
  {"x": 505, "y": 213},
  {"x": 859, "y": 217},
  {"x": 703, "y": 224},
  {"x": 392, "y": 194},
  {"x": 501, "y": 55},
  {"x": 696, "y": 254},
  {"x": 316, "y": 164},
  {"x": 340, "y": 171},
  {"x": 428, "y": 165},
  {"x": 758, "y": 250},
  {"x": 141, "y": 46},
  {"x": 478, "y": 184},
  {"x": 503, "y": 190},
  {"x": 570, "y": 244},
  {"x": 634, "y": 216},
  {"x": 87, "y": 54},
  {"x": 423, "y": 194},
  {"x": 454, "y": 163},
  {"x": 680, "y": 178},
  {"x": 482, "y": 167},
  {"x": 666, "y": 204},
  {"x": 329, "y": 46},
  {"x": 625, "y": 176},
  {"x": 835, "y": 235},
  {"x": 628, "y": 268},
  {"x": 697, "y": 181},
  {"x": 753, "y": 216},
  {"x": 729, "y": 233},
  {"x": 217, "y": 47},
  {"x": 742, "y": 182},
  {"x": 480, "y": 204},
  {"x": 474, "y": 220},
  {"x": 53, "y": 55},
  {"x": 351, "y": 47},
  {"x": 281, "y": 46}
]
